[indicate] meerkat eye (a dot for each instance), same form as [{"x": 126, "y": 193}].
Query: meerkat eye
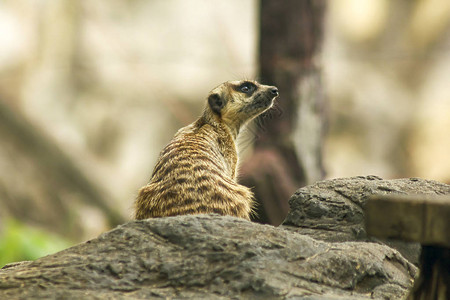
[{"x": 247, "y": 87}]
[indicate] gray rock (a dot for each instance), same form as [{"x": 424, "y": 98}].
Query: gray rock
[
  {"x": 321, "y": 252},
  {"x": 210, "y": 257},
  {"x": 332, "y": 210}
]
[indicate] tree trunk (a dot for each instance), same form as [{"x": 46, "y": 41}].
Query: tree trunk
[{"x": 288, "y": 143}]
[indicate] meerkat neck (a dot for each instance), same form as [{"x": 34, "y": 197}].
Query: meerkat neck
[{"x": 214, "y": 120}]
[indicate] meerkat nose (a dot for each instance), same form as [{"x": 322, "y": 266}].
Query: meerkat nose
[{"x": 274, "y": 91}]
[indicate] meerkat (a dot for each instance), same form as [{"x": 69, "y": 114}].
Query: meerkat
[{"x": 196, "y": 172}]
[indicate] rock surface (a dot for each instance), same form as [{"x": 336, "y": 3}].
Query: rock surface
[
  {"x": 332, "y": 210},
  {"x": 210, "y": 257},
  {"x": 216, "y": 257}
]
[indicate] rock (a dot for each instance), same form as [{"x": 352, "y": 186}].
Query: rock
[
  {"x": 332, "y": 210},
  {"x": 210, "y": 257},
  {"x": 320, "y": 252}
]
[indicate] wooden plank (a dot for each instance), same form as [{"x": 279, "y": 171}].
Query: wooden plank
[{"x": 416, "y": 218}]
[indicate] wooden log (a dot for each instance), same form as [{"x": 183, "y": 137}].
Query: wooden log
[
  {"x": 416, "y": 218},
  {"x": 419, "y": 218}
]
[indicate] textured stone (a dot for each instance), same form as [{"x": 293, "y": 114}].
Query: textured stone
[
  {"x": 321, "y": 252},
  {"x": 210, "y": 257},
  {"x": 332, "y": 210}
]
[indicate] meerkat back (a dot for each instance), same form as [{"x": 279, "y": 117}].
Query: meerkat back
[{"x": 196, "y": 172}]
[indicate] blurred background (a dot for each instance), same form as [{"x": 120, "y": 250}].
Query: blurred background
[{"x": 91, "y": 91}]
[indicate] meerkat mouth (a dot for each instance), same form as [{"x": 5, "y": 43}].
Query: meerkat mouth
[{"x": 263, "y": 100}]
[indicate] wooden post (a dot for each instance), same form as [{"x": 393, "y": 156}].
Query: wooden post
[
  {"x": 288, "y": 138},
  {"x": 417, "y": 218}
]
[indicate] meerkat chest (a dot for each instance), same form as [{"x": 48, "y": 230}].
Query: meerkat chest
[
  {"x": 228, "y": 150},
  {"x": 224, "y": 145}
]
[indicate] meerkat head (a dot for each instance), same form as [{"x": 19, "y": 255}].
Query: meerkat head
[{"x": 237, "y": 102}]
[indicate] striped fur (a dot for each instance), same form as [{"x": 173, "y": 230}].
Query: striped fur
[{"x": 196, "y": 172}]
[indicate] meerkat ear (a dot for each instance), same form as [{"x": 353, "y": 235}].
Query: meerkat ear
[{"x": 216, "y": 103}]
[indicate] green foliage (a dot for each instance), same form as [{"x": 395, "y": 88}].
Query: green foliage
[{"x": 20, "y": 242}]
